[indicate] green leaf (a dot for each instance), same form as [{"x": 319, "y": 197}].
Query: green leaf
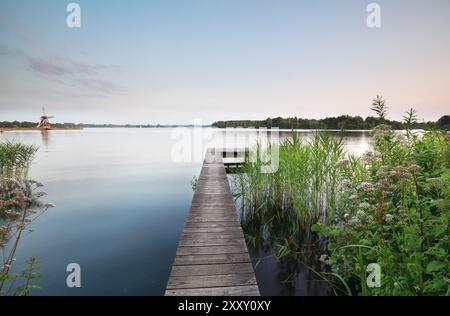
[
  {"x": 437, "y": 230},
  {"x": 435, "y": 266},
  {"x": 283, "y": 252},
  {"x": 317, "y": 227}
]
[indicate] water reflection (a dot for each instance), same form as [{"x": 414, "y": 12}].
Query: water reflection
[
  {"x": 45, "y": 137},
  {"x": 286, "y": 258}
]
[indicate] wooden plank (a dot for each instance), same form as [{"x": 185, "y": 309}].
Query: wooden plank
[
  {"x": 215, "y": 208},
  {"x": 211, "y": 259},
  {"x": 208, "y": 211},
  {"x": 213, "y": 205},
  {"x": 212, "y": 256},
  {"x": 213, "y": 171},
  {"x": 207, "y": 236},
  {"x": 211, "y": 224},
  {"x": 210, "y": 250},
  {"x": 216, "y": 269},
  {"x": 204, "y": 281},
  {"x": 211, "y": 199},
  {"x": 212, "y": 229},
  {"x": 214, "y": 218},
  {"x": 211, "y": 242},
  {"x": 248, "y": 290},
  {"x": 211, "y": 177}
]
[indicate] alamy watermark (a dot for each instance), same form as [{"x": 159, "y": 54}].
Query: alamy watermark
[
  {"x": 73, "y": 20},
  {"x": 374, "y": 278},
  {"x": 374, "y": 18},
  {"x": 73, "y": 280},
  {"x": 192, "y": 145}
]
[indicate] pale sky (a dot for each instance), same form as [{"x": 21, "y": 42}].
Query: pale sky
[{"x": 175, "y": 61}]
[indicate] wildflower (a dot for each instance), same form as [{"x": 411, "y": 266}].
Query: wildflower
[
  {"x": 367, "y": 157},
  {"x": 11, "y": 183},
  {"x": 382, "y": 172},
  {"x": 402, "y": 173},
  {"x": 389, "y": 217},
  {"x": 4, "y": 230},
  {"x": 377, "y": 154},
  {"x": 365, "y": 186},
  {"x": 12, "y": 214},
  {"x": 384, "y": 184},
  {"x": 364, "y": 205},
  {"x": 354, "y": 221},
  {"x": 412, "y": 166},
  {"x": 20, "y": 226},
  {"x": 401, "y": 139}
]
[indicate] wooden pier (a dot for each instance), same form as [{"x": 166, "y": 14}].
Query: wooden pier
[{"x": 212, "y": 256}]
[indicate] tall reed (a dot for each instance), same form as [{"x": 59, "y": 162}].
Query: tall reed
[
  {"x": 307, "y": 184},
  {"x": 15, "y": 159}
]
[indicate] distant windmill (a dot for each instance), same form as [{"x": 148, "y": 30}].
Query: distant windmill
[{"x": 44, "y": 123}]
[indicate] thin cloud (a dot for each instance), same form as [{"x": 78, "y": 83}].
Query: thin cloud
[
  {"x": 76, "y": 74},
  {"x": 88, "y": 69},
  {"x": 84, "y": 78},
  {"x": 49, "y": 67}
]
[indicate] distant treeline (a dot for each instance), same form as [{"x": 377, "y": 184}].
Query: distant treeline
[
  {"x": 341, "y": 122},
  {"x": 17, "y": 124}
]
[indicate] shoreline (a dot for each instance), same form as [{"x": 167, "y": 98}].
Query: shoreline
[{"x": 19, "y": 129}]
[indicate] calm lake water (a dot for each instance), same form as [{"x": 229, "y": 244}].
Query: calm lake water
[{"x": 121, "y": 199}]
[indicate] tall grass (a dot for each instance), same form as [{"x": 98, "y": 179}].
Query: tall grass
[
  {"x": 308, "y": 183},
  {"x": 15, "y": 159}
]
